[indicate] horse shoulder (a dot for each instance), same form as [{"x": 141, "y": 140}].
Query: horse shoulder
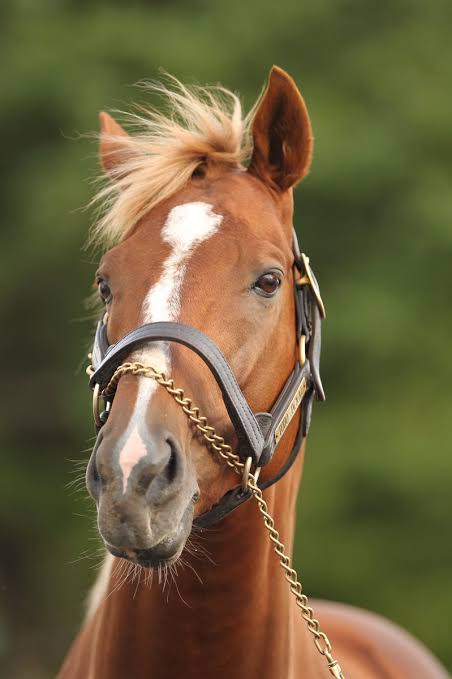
[{"x": 369, "y": 646}]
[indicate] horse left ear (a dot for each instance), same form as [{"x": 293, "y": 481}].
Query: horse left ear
[
  {"x": 111, "y": 151},
  {"x": 282, "y": 134}
]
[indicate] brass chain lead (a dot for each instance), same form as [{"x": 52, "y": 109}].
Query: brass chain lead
[{"x": 225, "y": 451}]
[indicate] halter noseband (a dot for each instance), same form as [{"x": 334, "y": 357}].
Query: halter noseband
[{"x": 258, "y": 434}]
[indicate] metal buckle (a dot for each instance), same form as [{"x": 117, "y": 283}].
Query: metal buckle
[{"x": 308, "y": 278}]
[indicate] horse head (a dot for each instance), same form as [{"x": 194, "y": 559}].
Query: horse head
[{"x": 199, "y": 216}]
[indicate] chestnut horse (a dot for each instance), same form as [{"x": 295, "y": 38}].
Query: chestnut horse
[{"x": 197, "y": 229}]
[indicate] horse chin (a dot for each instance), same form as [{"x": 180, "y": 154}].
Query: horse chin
[{"x": 164, "y": 551}]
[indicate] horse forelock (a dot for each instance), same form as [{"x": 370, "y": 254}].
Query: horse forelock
[{"x": 201, "y": 124}]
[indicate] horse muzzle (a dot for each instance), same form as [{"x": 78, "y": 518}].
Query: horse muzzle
[{"x": 145, "y": 509}]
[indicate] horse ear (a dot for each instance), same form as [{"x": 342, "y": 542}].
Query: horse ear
[
  {"x": 282, "y": 134},
  {"x": 111, "y": 151}
]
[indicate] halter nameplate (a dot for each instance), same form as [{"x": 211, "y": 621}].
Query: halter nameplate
[{"x": 291, "y": 410}]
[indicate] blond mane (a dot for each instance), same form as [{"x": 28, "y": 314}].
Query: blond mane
[{"x": 163, "y": 149}]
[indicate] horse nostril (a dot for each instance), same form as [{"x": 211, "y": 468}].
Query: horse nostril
[
  {"x": 172, "y": 465},
  {"x": 162, "y": 473}
]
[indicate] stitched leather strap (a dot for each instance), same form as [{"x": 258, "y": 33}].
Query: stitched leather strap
[{"x": 251, "y": 440}]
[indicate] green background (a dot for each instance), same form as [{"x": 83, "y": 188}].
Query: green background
[{"x": 375, "y": 217}]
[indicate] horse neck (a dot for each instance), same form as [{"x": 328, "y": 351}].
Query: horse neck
[{"x": 234, "y": 616}]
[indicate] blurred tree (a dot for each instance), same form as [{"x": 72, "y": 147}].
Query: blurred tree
[{"x": 375, "y": 215}]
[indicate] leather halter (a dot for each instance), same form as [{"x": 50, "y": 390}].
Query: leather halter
[{"x": 258, "y": 434}]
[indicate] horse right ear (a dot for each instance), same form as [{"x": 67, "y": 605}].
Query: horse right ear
[
  {"x": 282, "y": 134},
  {"x": 112, "y": 148}
]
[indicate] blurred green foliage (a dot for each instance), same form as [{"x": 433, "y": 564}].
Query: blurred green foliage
[{"x": 375, "y": 216}]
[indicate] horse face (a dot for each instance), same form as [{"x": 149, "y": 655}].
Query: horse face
[
  {"x": 222, "y": 265},
  {"x": 216, "y": 255}
]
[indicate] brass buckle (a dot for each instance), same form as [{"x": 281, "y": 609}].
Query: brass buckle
[{"x": 309, "y": 279}]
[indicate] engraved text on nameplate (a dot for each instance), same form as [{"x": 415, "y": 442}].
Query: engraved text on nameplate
[{"x": 291, "y": 410}]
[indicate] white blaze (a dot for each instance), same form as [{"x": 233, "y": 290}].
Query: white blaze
[
  {"x": 186, "y": 227},
  {"x": 131, "y": 453}
]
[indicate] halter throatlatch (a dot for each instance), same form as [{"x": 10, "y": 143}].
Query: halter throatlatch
[{"x": 258, "y": 434}]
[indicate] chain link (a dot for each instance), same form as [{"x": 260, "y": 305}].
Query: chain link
[{"x": 231, "y": 458}]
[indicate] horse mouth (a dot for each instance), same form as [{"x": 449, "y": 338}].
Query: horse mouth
[
  {"x": 153, "y": 557},
  {"x": 165, "y": 551}
]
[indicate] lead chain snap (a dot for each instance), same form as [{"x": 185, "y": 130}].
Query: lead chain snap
[{"x": 335, "y": 670}]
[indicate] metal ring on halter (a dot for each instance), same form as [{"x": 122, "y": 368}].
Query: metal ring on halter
[
  {"x": 309, "y": 279},
  {"x": 96, "y": 413},
  {"x": 302, "y": 350},
  {"x": 246, "y": 473}
]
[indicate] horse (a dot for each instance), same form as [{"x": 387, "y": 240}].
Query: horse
[{"x": 202, "y": 285}]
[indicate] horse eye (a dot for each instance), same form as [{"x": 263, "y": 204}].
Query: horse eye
[
  {"x": 104, "y": 291},
  {"x": 268, "y": 284}
]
